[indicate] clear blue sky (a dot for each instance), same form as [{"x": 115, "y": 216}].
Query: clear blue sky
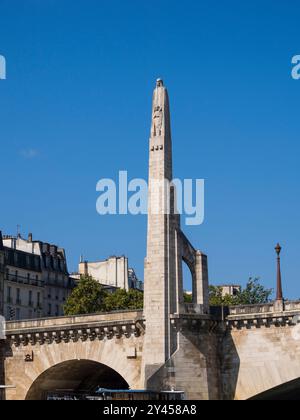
[{"x": 76, "y": 107}]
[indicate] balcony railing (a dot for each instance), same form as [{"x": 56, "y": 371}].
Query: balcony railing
[
  {"x": 60, "y": 284},
  {"x": 24, "y": 280}
]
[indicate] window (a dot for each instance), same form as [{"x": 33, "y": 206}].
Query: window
[
  {"x": 49, "y": 309},
  {"x": 30, "y": 298},
  {"x": 18, "y": 297},
  {"x": 18, "y": 313},
  {"x": 38, "y": 299},
  {"x": 56, "y": 310},
  {"x": 9, "y": 300},
  {"x": 29, "y": 314}
]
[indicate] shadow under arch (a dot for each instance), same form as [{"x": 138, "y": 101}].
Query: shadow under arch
[
  {"x": 289, "y": 391},
  {"x": 75, "y": 376}
]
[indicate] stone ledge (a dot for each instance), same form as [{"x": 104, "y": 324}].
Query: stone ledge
[
  {"x": 74, "y": 333},
  {"x": 280, "y": 319},
  {"x": 264, "y": 308},
  {"x": 195, "y": 322},
  {"x": 74, "y": 320}
]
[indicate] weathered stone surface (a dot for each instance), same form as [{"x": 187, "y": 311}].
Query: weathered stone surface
[
  {"x": 167, "y": 248},
  {"x": 114, "y": 340},
  {"x": 260, "y": 351}
]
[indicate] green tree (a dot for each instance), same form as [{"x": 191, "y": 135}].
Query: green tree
[
  {"x": 86, "y": 298},
  {"x": 254, "y": 293},
  {"x": 216, "y": 297},
  {"x": 188, "y": 298},
  {"x": 122, "y": 300}
]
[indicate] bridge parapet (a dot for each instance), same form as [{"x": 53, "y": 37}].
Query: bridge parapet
[
  {"x": 265, "y": 315},
  {"x": 263, "y": 308},
  {"x": 75, "y": 328}
]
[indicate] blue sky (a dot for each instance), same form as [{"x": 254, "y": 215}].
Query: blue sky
[{"x": 76, "y": 107}]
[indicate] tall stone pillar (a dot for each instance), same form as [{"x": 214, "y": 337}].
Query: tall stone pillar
[
  {"x": 163, "y": 276},
  {"x": 178, "y": 351}
]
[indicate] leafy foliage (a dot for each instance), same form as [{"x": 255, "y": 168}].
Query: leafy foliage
[
  {"x": 254, "y": 294},
  {"x": 216, "y": 297},
  {"x": 122, "y": 300},
  {"x": 89, "y": 297},
  {"x": 188, "y": 298}
]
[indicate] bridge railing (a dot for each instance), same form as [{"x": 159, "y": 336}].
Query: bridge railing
[
  {"x": 262, "y": 308},
  {"x": 251, "y": 309},
  {"x": 116, "y": 316}
]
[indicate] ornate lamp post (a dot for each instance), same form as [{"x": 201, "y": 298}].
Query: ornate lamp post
[{"x": 279, "y": 295}]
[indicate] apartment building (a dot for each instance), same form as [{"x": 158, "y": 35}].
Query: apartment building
[
  {"x": 36, "y": 281},
  {"x": 112, "y": 273}
]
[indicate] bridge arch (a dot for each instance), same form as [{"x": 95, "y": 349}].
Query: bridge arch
[
  {"x": 110, "y": 343},
  {"x": 289, "y": 391},
  {"x": 114, "y": 357},
  {"x": 75, "y": 376}
]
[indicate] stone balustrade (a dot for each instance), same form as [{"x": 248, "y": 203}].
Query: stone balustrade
[
  {"x": 265, "y": 315},
  {"x": 263, "y": 308}
]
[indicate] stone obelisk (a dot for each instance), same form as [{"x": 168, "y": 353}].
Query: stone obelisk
[{"x": 163, "y": 272}]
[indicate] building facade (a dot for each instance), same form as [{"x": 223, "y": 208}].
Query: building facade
[
  {"x": 36, "y": 281},
  {"x": 230, "y": 289},
  {"x": 57, "y": 282},
  {"x": 113, "y": 273}
]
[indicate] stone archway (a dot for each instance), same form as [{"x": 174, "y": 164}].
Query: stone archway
[
  {"x": 75, "y": 376},
  {"x": 112, "y": 340},
  {"x": 289, "y": 391}
]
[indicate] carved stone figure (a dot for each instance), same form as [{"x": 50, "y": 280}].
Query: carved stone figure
[{"x": 157, "y": 120}]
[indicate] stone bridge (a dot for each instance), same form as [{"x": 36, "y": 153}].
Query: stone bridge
[
  {"x": 72, "y": 353},
  {"x": 261, "y": 352},
  {"x": 251, "y": 352},
  {"x": 208, "y": 353}
]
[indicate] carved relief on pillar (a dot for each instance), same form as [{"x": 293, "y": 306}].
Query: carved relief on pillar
[{"x": 157, "y": 121}]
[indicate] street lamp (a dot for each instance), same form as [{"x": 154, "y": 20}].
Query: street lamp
[{"x": 279, "y": 295}]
